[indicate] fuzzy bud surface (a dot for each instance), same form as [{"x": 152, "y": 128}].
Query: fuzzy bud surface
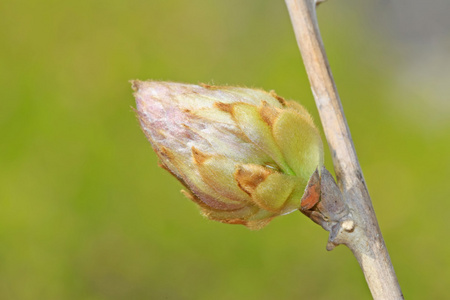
[{"x": 244, "y": 155}]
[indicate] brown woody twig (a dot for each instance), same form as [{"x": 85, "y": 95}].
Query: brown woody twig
[{"x": 358, "y": 229}]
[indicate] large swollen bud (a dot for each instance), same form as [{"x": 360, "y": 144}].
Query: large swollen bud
[{"x": 244, "y": 155}]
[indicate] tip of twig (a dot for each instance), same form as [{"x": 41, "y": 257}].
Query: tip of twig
[{"x": 319, "y": 2}]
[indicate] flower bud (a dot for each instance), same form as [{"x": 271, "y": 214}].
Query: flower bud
[{"x": 244, "y": 155}]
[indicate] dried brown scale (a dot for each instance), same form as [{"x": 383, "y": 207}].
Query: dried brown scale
[{"x": 249, "y": 177}]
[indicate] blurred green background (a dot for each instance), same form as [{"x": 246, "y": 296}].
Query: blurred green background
[{"x": 85, "y": 213}]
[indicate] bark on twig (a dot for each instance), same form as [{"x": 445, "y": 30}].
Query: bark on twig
[{"x": 359, "y": 229}]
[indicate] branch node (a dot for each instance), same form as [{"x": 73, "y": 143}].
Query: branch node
[
  {"x": 348, "y": 225},
  {"x": 324, "y": 204}
]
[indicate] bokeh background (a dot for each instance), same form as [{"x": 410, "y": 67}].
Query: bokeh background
[{"x": 85, "y": 213}]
